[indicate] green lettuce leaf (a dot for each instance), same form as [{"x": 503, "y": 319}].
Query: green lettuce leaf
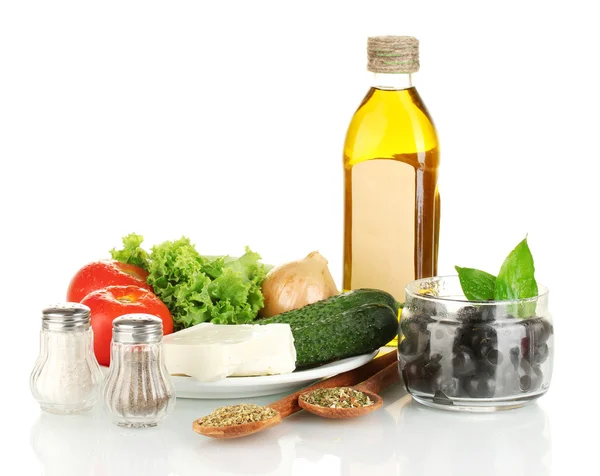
[
  {"x": 197, "y": 288},
  {"x": 132, "y": 251},
  {"x": 229, "y": 287}
]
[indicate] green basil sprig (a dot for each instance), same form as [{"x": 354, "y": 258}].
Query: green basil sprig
[{"x": 516, "y": 280}]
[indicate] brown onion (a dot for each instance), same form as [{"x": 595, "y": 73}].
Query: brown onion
[{"x": 297, "y": 283}]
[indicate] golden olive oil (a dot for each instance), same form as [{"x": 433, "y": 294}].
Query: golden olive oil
[{"x": 392, "y": 208}]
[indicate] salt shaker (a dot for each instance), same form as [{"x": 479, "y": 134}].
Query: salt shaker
[
  {"x": 66, "y": 376},
  {"x": 137, "y": 391}
]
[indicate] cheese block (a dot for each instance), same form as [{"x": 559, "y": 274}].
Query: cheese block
[{"x": 211, "y": 352}]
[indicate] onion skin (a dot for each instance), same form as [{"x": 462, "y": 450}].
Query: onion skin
[{"x": 295, "y": 284}]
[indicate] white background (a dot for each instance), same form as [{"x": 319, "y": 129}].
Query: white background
[{"x": 225, "y": 121}]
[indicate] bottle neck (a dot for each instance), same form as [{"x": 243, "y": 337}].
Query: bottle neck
[{"x": 393, "y": 82}]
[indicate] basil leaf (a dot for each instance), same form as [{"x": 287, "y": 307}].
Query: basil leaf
[
  {"x": 516, "y": 279},
  {"x": 476, "y": 284}
]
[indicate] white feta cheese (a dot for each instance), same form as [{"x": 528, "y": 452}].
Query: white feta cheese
[{"x": 211, "y": 352}]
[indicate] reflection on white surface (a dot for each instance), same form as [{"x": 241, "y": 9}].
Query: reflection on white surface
[
  {"x": 514, "y": 442},
  {"x": 91, "y": 445},
  {"x": 402, "y": 438},
  {"x": 66, "y": 445},
  {"x": 365, "y": 444}
]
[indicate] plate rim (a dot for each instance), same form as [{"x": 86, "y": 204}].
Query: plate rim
[{"x": 281, "y": 379}]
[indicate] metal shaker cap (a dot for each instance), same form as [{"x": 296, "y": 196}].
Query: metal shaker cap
[
  {"x": 137, "y": 329},
  {"x": 66, "y": 317}
]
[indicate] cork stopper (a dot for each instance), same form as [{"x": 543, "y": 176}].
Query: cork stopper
[{"x": 393, "y": 54}]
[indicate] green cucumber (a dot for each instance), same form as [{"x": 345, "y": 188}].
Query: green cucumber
[
  {"x": 352, "y": 323},
  {"x": 342, "y": 302}
]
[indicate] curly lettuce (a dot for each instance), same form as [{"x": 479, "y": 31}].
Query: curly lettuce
[
  {"x": 195, "y": 288},
  {"x": 132, "y": 252}
]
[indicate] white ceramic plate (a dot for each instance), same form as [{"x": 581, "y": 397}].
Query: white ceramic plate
[
  {"x": 243, "y": 387},
  {"x": 246, "y": 387}
]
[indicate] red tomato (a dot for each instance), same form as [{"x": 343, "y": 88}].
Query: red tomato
[
  {"x": 113, "y": 301},
  {"x": 99, "y": 274}
]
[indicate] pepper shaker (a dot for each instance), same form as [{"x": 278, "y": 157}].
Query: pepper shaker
[
  {"x": 138, "y": 391},
  {"x": 66, "y": 376}
]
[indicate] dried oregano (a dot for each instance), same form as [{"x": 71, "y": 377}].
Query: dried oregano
[
  {"x": 337, "y": 397},
  {"x": 237, "y": 415}
]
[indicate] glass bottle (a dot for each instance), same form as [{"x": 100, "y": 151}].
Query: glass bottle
[
  {"x": 138, "y": 391},
  {"x": 391, "y": 160},
  {"x": 66, "y": 376}
]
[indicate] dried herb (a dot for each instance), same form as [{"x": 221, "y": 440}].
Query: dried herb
[
  {"x": 337, "y": 397},
  {"x": 237, "y": 415}
]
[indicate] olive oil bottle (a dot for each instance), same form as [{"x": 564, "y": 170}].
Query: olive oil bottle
[{"x": 391, "y": 159}]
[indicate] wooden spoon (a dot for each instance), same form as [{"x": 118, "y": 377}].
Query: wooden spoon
[
  {"x": 370, "y": 387},
  {"x": 289, "y": 405}
]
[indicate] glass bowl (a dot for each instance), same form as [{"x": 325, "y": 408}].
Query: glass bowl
[{"x": 457, "y": 354}]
